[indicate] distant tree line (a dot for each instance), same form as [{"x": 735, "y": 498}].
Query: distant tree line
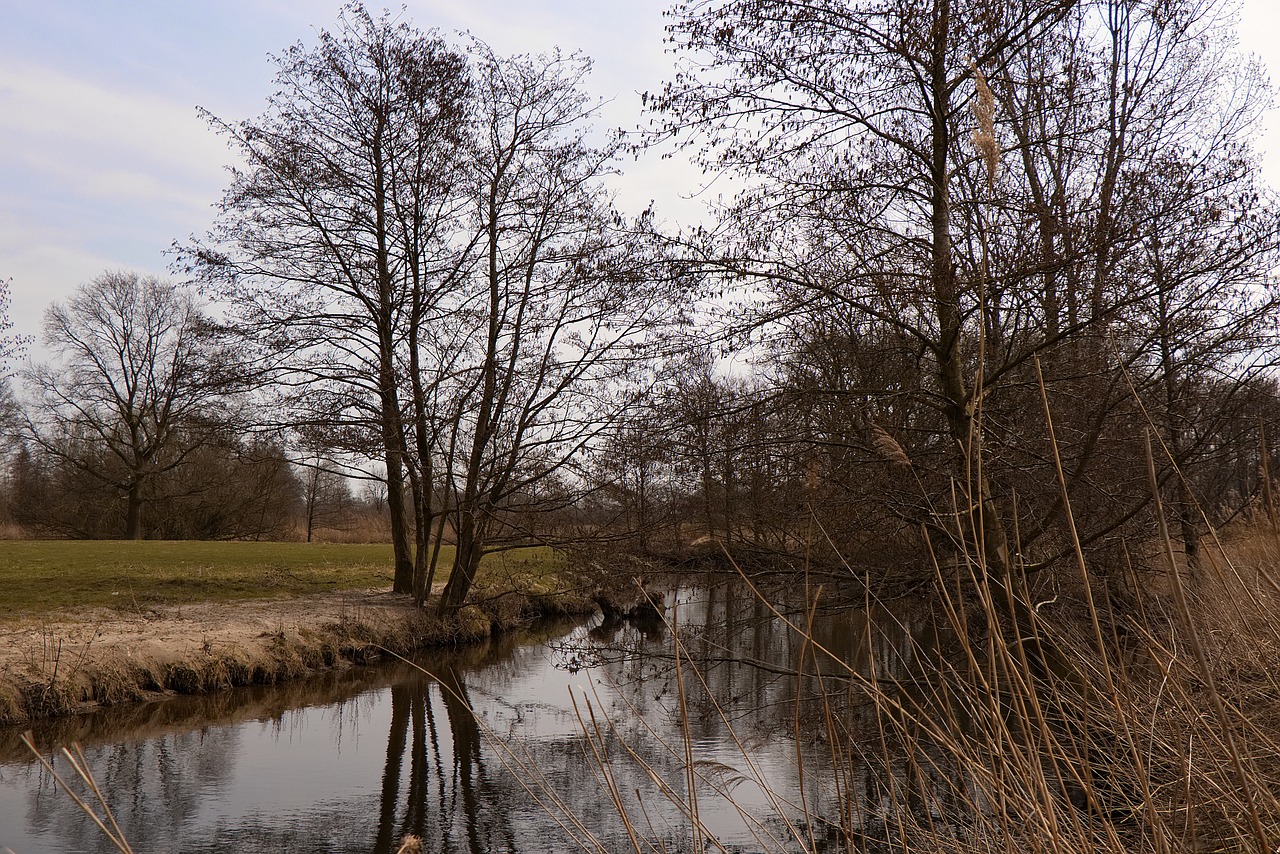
[
  {"x": 136, "y": 429},
  {"x": 981, "y": 254}
]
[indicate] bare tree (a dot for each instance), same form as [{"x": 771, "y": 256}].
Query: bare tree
[
  {"x": 425, "y": 249},
  {"x": 318, "y": 246},
  {"x": 869, "y": 217},
  {"x": 1133, "y": 190},
  {"x": 326, "y": 497},
  {"x": 564, "y": 301},
  {"x": 849, "y": 123},
  {"x": 132, "y": 388},
  {"x": 1206, "y": 333}
]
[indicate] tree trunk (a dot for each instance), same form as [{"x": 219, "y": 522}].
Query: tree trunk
[
  {"x": 133, "y": 512},
  {"x": 991, "y": 539},
  {"x": 424, "y": 511},
  {"x": 465, "y": 563},
  {"x": 392, "y": 427},
  {"x": 313, "y": 495},
  {"x": 470, "y": 545},
  {"x": 403, "y": 554}
]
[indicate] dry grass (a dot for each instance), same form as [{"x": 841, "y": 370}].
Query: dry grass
[
  {"x": 1074, "y": 729},
  {"x": 51, "y": 668},
  {"x": 121, "y": 675},
  {"x": 1041, "y": 742},
  {"x": 1056, "y": 726},
  {"x": 1236, "y": 605}
]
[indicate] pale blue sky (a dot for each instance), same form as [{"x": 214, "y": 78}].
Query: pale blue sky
[{"x": 103, "y": 162}]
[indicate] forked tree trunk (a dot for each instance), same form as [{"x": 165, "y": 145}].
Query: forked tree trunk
[{"x": 466, "y": 562}]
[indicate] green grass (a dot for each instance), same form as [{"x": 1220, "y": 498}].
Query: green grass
[{"x": 51, "y": 575}]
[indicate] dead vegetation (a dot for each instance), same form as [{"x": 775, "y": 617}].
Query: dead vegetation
[{"x": 48, "y": 669}]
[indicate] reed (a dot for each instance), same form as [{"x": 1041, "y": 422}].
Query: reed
[
  {"x": 1066, "y": 724},
  {"x": 1082, "y": 729},
  {"x": 1070, "y": 724},
  {"x": 92, "y": 800},
  {"x": 1094, "y": 732}
]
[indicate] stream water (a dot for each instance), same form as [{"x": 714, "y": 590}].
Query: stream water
[{"x": 475, "y": 757}]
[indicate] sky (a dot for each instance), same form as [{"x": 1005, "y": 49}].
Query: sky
[{"x": 104, "y": 162}]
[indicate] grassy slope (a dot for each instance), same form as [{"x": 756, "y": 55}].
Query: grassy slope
[{"x": 39, "y": 575}]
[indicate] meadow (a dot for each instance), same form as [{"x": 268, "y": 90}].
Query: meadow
[{"x": 38, "y": 576}]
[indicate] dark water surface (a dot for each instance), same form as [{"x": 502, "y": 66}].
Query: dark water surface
[{"x": 351, "y": 761}]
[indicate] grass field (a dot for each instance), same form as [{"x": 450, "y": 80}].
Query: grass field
[{"x": 48, "y": 575}]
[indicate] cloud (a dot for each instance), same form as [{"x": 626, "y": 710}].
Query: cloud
[
  {"x": 42, "y": 267},
  {"x": 70, "y": 130},
  {"x": 94, "y": 177}
]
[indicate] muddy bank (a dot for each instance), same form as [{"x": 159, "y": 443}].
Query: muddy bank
[{"x": 80, "y": 661}]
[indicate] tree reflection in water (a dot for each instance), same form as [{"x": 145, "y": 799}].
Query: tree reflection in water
[
  {"x": 292, "y": 770},
  {"x": 156, "y": 790},
  {"x": 183, "y": 790},
  {"x": 465, "y": 812}
]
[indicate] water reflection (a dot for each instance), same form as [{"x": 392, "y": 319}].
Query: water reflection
[
  {"x": 449, "y": 795},
  {"x": 355, "y": 760}
]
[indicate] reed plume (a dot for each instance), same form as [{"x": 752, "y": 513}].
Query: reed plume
[
  {"x": 888, "y": 447},
  {"x": 410, "y": 845},
  {"x": 984, "y": 110}
]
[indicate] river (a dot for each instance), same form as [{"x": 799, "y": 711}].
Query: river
[{"x": 497, "y": 748}]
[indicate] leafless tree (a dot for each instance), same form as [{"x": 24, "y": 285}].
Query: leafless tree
[
  {"x": 425, "y": 249},
  {"x": 326, "y": 495},
  {"x": 133, "y": 387},
  {"x": 878, "y": 211},
  {"x": 318, "y": 248},
  {"x": 848, "y": 122},
  {"x": 564, "y": 301}
]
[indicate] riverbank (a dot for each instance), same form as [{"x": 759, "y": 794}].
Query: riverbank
[{"x": 73, "y": 660}]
